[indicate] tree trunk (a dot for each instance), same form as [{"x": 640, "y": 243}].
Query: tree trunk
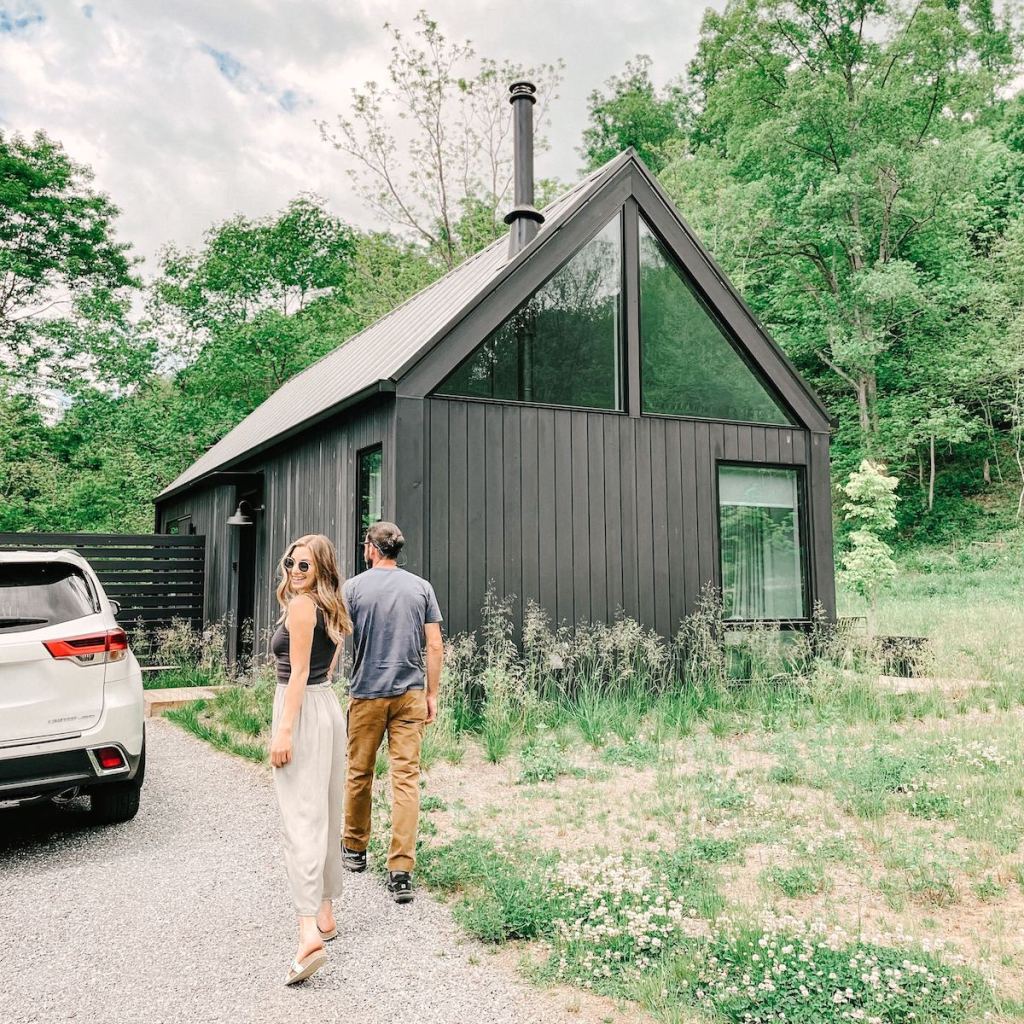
[
  {"x": 872, "y": 401},
  {"x": 931, "y": 472},
  {"x": 861, "y": 387}
]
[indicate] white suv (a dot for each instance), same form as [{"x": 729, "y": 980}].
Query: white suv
[{"x": 71, "y": 708}]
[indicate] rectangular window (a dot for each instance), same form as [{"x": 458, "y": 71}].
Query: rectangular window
[
  {"x": 37, "y": 594},
  {"x": 369, "y": 507},
  {"x": 761, "y": 549}
]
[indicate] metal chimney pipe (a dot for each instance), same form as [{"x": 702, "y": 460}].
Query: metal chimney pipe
[{"x": 523, "y": 219}]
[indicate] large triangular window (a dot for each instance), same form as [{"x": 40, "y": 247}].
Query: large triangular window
[
  {"x": 689, "y": 367},
  {"x": 563, "y": 346}
]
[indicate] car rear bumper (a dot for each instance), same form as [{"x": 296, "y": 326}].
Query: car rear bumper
[
  {"x": 38, "y": 775},
  {"x": 46, "y": 767}
]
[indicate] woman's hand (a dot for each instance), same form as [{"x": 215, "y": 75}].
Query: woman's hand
[{"x": 281, "y": 748}]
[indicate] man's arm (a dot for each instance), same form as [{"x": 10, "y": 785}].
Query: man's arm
[{"x": 435, "y": 656}]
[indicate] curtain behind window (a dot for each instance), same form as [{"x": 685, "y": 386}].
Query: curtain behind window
[{"x": 762, "y": 568}]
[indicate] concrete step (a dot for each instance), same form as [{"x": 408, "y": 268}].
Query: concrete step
[{"x": 159, "y": 701}]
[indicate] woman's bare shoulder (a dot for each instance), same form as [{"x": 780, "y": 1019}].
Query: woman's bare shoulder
[{"x": 302, "y": 609}]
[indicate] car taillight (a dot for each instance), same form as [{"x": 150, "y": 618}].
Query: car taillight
[{"x": 92, "y": 649}]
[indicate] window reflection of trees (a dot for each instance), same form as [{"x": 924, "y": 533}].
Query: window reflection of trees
[
  {"x": 689, "y": 367},
  {"x": 562, "y": 347}
]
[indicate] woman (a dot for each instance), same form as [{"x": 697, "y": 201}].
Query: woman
[{"x": 307, "y": 749}]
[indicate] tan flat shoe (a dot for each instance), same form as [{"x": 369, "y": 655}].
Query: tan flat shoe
[
  {"x": 327, "y": 936},
  {"x": 305, "y": 968}
]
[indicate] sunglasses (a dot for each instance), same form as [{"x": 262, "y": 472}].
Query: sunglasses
[{"x": 290, "y": 563}]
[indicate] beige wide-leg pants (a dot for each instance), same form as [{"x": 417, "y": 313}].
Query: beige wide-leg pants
[{"x": 310, "y": 792}]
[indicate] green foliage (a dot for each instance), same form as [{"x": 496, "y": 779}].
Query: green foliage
[
  {"x": 748, "y": 973},
  {"x": 542, "y": 760},
  {"x": 261, "y": 300},
  {"x": 632, "y": 113},
  {"x": 796, "y": 882},
  {"x": 61, "y": 319},
  {"x": 871, "y": 505}
]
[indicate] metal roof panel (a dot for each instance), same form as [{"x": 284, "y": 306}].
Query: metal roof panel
[{"x": 377, "y": 353}]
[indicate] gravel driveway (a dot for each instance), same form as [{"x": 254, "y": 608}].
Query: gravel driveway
[{"x": 183, "y": 915}]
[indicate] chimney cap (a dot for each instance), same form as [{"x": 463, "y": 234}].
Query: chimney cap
[{"x": 522, "y": 90}]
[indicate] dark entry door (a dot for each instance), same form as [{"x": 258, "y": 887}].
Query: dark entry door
[{"x": 242, "y": 641}]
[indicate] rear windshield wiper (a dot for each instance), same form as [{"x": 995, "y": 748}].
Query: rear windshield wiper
[{"x": 22, "y": 622}]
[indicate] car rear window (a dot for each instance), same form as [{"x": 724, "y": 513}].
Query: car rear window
[{"x": 37, "y": 594}]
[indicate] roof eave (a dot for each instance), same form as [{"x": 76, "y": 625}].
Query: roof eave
[{"x": 378, "y": 388}]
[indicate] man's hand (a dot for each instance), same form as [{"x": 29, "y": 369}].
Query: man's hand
[
  {"x": 281, "y": 748},
  {"x": 431, "y": 708}
]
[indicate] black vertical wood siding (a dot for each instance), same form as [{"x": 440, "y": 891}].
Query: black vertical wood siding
[
  {"x": 209, "y": 508},
  {"x": 588, "y": 513},
  {"x": 585, "y": 513},
  {"x": 308, "y": 487}
]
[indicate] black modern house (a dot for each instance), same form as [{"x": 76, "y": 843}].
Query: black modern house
[{"x": 585, "y": 413}]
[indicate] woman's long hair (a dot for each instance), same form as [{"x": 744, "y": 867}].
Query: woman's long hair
[{"x": 326, "y": 591}]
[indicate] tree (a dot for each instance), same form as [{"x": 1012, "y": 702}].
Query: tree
[
  {"x": 871, "y": 506},
  {"x": 846, "y": 146},
  {"x": 61, "y": 271},
  {"x": 631, "y": 113},
  {"x": 28, "y": 470},
  {"x": 260, "y": 301},
  {"x": 450, "y": 173}
]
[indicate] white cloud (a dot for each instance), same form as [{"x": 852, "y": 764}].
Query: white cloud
[{"x": 190, "y": 112}]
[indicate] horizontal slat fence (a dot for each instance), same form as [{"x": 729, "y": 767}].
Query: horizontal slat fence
[{"x": 155, "y": 578}]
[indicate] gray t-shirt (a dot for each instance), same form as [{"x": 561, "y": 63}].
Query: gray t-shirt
[{"x": 388, "y": 608}]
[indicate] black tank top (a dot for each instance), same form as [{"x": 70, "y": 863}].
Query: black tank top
[{"x": 320, "y": 656}]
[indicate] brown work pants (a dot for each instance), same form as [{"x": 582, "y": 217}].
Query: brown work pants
[{"x": 402, "y": 718}]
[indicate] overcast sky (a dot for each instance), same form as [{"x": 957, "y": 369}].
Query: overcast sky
[{"x": 191, "y": 110}]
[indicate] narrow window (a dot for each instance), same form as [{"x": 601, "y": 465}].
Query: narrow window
[
  {"x": 183, "y": 524},
  {"x": 563, "y": 345},
  {"x": 762, "y": 557},
  {"x": 689, "y": 366},
  {"x": 369, "y": 509}
]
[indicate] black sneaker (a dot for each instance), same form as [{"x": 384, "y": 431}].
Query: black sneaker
[
  {"x": 354, "y": 860},
  {"x": 400, "y": 886}
]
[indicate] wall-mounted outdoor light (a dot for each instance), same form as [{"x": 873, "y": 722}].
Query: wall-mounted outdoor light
[{"x": 243, "y": 514}]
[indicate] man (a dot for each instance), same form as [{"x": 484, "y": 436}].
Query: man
[{"x": 394, "y": 613}]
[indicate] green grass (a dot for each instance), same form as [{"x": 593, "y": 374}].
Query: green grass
[
  {"x": 182, "y": 677},
  {"x": 936, "y": 797},
  {"x": 542, "y": 760},
  {"x": 795, "y": 882},
  {"x": 633, "y": 753},
  {"x": 190, "y": 718}
]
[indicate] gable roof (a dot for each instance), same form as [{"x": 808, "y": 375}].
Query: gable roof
[
  {"x": 379, "y": 352},
  {"x": 373, "y": 360}
]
